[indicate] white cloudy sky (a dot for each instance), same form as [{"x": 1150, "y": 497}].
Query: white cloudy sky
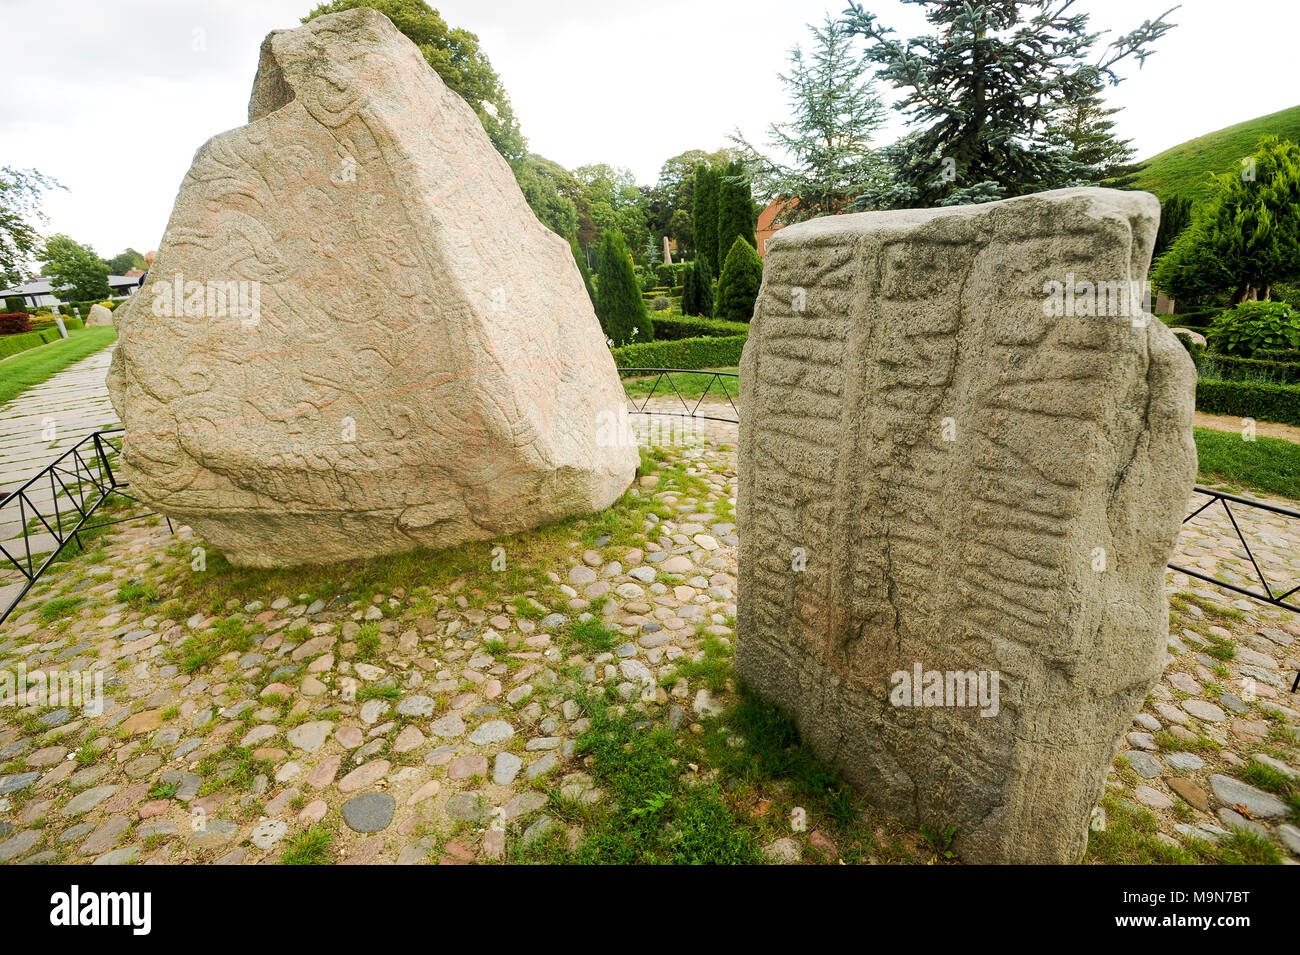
[{"x": 111, "y": 97}]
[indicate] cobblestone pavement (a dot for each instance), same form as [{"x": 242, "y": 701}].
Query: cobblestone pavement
[
  {"x": 429, "y": 724},
  {"x": 35, "y": 428},
  {"x": 51, "y": 417}
]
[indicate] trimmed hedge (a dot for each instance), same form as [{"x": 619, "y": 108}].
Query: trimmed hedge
[
  {"x": 1289, "y": 355},
  {"x": 677, "y": 327},
  {"x": 70, "y": 322},
  {"x": 682, "y": 353},
  {"x": 13, "y": 344},
  {"x": 1287, "y": 371},
  {"x": 1242, "y": 399}
]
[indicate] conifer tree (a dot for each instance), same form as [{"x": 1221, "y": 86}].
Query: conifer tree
[
  {"x": 704, "y": 213},
  {"x": 689, "y": 298},
  {"x": 742, "y": 274},
  {"x": 619, "y": 305},
  {"x": 1245, "y": 238},
  {"x": 983, "y": 89},
  {"x": 834, "y": 109},
  {"x": 735, "y": 209},
  {"x": 703, "y": 278}
]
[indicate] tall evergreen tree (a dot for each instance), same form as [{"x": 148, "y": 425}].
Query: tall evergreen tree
[
  {"x": 983, "y": 90},
  {"x": 705, "y": 213},
  {"x": 835, "y": 109},
  {"x": 735, "y": 209},
  {"x": 1084, "y": 130},
  {"x": 619, "y": 305},
  {"x": 703, "y": 278},
  {"x": 689, "y": 297},
  {"x": 1246, "y": 237},
  {"x": 1175, "y": 216},
  {"x": 742, "y": 274}
]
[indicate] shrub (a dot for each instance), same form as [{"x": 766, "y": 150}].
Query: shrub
[
  {"x": 72, "y": 322},
  {"x": 1228, "y": 368},
  {"x": 1249, "y": 326},
  {"x": 661, "y": 303},
  {"x": 676, "y": 327},
  {"x": 1250, "y": 399},
  {"x": 738, "y": 287},
  {"x": 618, "y": 300},
  {"x": 15, "y": 303},
  {"x": 1278, "y": 354},
  {"x": 15, "y": 323},
  {"x": 13, "y": 344},
  {"x": 683, "y": 353}
]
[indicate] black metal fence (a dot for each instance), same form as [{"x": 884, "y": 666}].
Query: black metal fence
[
  {"x": 664, "y": 386},
  {"x": 54, "y": 508}
]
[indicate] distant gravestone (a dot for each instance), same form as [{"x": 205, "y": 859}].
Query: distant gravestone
[
  {"x": 356, "y": 337},
  {"x": 99, "y": 316},
  {"x": 963, "y": 464}
]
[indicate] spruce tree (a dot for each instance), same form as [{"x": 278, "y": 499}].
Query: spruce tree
[
  {"x": 834, "y": 109},
  {"x": 735, "y": 210},
  {"x": 742, "y": 274},
  {"x": 1085, "y": 132},
  {"x": 705, "y": 214},
  {"x": 619, "y": 305},
  {"x": 703, "y": 279},
  {"x": 983, "y": 90}
]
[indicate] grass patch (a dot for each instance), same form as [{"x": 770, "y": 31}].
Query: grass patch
[
  {"x": 660, "y": 813},
  {"x": 1129, "y": 838},
  {"x": 689, "y": 385},
  {"x": 712, "y": 669},
  {"x": 309, "y": 847},
  {"x": 201, "y": 649},
  {"x": 593, "y": 636},
  {"x": 60, "y": 607},
  {"x": 1265, "y": 465},
  {"x": 31, "y": 367}
]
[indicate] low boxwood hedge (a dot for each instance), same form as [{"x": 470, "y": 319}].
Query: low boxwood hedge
[
  {"x": 682, "y": 353},
  {"x": 1289, "y": 355},
  {"x": 1234, "y": 367},
  {"x": 13, "y": 344},
  {"x": 676, "y": 327},
  {"x": 1247, "y": 399}
]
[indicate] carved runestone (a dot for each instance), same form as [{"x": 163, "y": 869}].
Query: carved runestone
[{"x": 978, "y": 478}]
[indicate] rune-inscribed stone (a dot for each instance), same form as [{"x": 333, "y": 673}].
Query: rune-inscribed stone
[
  {"x": 946, "y": 469},
  {"x": 357, "y": 338}
]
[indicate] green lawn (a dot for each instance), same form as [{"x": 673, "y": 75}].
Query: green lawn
[
  {"x": 1265, "y": 465},
  {"x": 33, "y": 366}
]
